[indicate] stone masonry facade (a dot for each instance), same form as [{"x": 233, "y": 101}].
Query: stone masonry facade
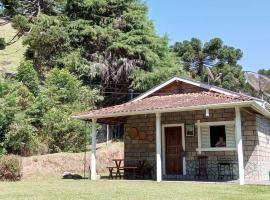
[
  {"x": 256, "y": 149},
  {"x": 256, "y": 145},
  {"x": 263, "y": 131}
]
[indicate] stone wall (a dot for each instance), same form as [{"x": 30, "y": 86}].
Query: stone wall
[
  {"x": 143, "y": 146},
  {"x": 250, "y": 139},
  {"x": 263, "y": 132},
  {"x": 256, "y": 145},
  {"x": 191, "y": 143}
]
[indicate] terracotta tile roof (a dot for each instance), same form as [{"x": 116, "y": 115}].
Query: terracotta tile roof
[{"x": 165, "y": 102}]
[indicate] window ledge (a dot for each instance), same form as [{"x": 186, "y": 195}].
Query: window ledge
[{"x": 217, "y": 149}]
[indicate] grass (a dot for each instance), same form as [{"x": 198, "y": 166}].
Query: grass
[
  {"x": 56, "y": 188},
  {"x": 10, "y": 57}
]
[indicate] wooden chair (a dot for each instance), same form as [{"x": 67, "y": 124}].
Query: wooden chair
[
  {"x": 201, "y": 167},
  {"x": 225, "y": 168},
  {"x": 144, "y": 170}
]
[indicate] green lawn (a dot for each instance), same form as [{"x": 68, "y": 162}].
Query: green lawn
[{"x": 55, "y": 188}]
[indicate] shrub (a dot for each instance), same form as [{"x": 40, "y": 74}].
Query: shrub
[
  {"x": 10, "y": 167},
  {"x": 28, "y": 76},
  {"x": 2, "y": 44},
  {"x": 22, "y": 137}
]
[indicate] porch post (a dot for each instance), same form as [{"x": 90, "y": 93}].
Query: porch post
[
  {"x": 199, "y": 136},
  {"x": 239, "y": 143},
  {"x": 93, "y": 150},
  {"x": 158, "y": 147},
  {"x": 107, "y": 134}
]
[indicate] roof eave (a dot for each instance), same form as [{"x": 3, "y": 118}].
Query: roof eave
[
  {"x": 253, "y": 104},
  {"x": 195, "y": 83}
]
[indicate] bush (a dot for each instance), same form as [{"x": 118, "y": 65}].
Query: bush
[
  {"x": 22, "y": 137},
  {"x": 28, "y": 76},
  {"x": 2, "y": 44},
  {"x": 10, "y": 167}
]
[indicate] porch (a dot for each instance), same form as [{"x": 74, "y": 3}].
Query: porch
[
  {"x": 172, "y": 143},
  {"x": 181, "y": 149}
]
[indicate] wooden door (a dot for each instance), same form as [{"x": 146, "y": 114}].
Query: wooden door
[{"x": 173, "y": 146}]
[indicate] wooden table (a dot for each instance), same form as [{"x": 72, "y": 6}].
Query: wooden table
[
  {"x": 130, "y": 171},
  {"x": 118, "y": 163}
]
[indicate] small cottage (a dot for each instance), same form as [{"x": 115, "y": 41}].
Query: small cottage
[{"x": 186, "y": 129}]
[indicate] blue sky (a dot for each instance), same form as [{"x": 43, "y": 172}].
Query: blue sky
[{"x": 244, "y": 24}]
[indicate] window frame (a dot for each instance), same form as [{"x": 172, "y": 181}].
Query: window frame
[
  {"x": 214, "y": 135},
  {"x": 218, "y": 123}
]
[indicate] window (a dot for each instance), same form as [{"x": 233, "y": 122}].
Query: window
[{"x": 217, "y": 136}]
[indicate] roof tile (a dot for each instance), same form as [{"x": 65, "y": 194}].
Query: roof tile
[{"x": 165, "y": 102}]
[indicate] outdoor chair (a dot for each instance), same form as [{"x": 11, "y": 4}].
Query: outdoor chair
[
  {"x": 225, "y": 168},
  {"x": 143, "y": 170},
  {"x": 201, "y": 167}
]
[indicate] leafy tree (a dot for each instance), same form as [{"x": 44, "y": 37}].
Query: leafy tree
[
  {"x": 28, "y": 76},
  {"x": 62, "y": 132},
  {"x": 46, "y": 41},
  {"x": 232, "y": 77},
  {"x": 22, "y": 137},
  {"x": 265, "y": 72},
  {"x": 29, "y": 8},
  {"x": 104, "y": 42},
  {"x": 29, "y": 122},
  {"x": 194, "y": 55},
  {"x": 23, "y": 13},
  {"x": 64, "y": 88},
  {"x": 64, "y": 94},
  {"x": 15, "y": 99}
]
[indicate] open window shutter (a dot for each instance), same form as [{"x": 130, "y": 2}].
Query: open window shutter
[
  {"x": 205, "y": 136},
  {"x": 230, "y": 135}
]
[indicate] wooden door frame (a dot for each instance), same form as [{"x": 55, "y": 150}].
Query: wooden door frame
[{"x": 163, "y": 148}]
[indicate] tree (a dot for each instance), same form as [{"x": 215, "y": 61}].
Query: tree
[
  {"x": 33, "y": 119},
  {"x": 28, "y": 76},
  {"x": 23, "y": 13},
  {"x": 232, "y": 77},
  {"x": 64, "y": 94},
  {"x": 62, "y": 132},
  {"x": 15, "y": 99},
  {"x": 265, "y": 72},
  {"x": 103, "y": 42},
  {"x": 194, "y": 55},
  {"x": 22, "y": 138}
]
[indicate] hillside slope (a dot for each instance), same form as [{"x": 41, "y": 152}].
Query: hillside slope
[
  {"x": 56, "y": 164},
  {"x": 13, "y": 54}
]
